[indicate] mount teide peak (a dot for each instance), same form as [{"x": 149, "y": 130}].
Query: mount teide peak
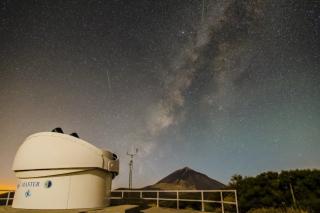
[{"x": 187, "y": 178}]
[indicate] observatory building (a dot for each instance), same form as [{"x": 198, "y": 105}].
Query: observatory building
[{"x": 60, "y": 171}]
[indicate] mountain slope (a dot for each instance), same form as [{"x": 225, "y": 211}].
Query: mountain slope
[{"x": 187, "y": 178}]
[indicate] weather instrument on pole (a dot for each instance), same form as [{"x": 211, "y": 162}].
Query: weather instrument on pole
[{"x": 131, "y": 166}]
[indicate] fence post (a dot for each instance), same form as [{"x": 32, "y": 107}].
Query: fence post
[
  {"x": 122, "y": 194},
  {"x": 157, "y": 198},
  {"x": 222, "y": 206},
  {"x": 236, "y": 197},
  {"x": 140, "y": 194},
  {"x": 202, "y": 202},
  {"x": 7, "y": 202},
  {"x": 178, "y": 200}
]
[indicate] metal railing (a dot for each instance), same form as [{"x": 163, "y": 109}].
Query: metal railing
[
  {"x": 8, "y": 197},
  {"x": 178, "y": 198}
]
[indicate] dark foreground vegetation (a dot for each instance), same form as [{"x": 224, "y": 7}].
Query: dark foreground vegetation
[{"x": 298, "y": 189}]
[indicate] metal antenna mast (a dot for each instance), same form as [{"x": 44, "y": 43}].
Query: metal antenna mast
[{"x": 131, "y": 167}]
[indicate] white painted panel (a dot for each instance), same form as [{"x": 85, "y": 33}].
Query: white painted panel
[
  {"x": 88, "y": 189},
  {"x": 42, "y": 193}
]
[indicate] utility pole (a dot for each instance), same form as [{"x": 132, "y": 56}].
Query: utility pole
[{"x": 131, "y": 167}]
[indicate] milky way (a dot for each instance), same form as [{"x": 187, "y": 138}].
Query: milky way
[{"x": 223, "y": 87}]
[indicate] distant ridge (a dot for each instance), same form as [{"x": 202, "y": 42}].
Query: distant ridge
[{"x": 187, "y": 178}]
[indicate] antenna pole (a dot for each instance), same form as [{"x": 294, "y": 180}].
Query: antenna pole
[{"x": 131, "y": 167}]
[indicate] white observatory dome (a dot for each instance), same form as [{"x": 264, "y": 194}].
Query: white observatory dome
[{"x": 60, "y": 171}]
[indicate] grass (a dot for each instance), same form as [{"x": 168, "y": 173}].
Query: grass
[{"x": 277, "y": 210}]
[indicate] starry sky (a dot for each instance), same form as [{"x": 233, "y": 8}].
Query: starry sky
[{"x": 221, "y": 86}]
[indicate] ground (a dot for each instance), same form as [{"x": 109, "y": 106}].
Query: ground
[
  {"x": 113, "y": 209},
  {"x": 167, "y": 210}
]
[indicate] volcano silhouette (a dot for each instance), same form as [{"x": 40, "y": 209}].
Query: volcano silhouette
[{"x": 186, "y": 178}]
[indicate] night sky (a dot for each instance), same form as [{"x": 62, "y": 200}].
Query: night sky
[{"x": 223, "y": 87}]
